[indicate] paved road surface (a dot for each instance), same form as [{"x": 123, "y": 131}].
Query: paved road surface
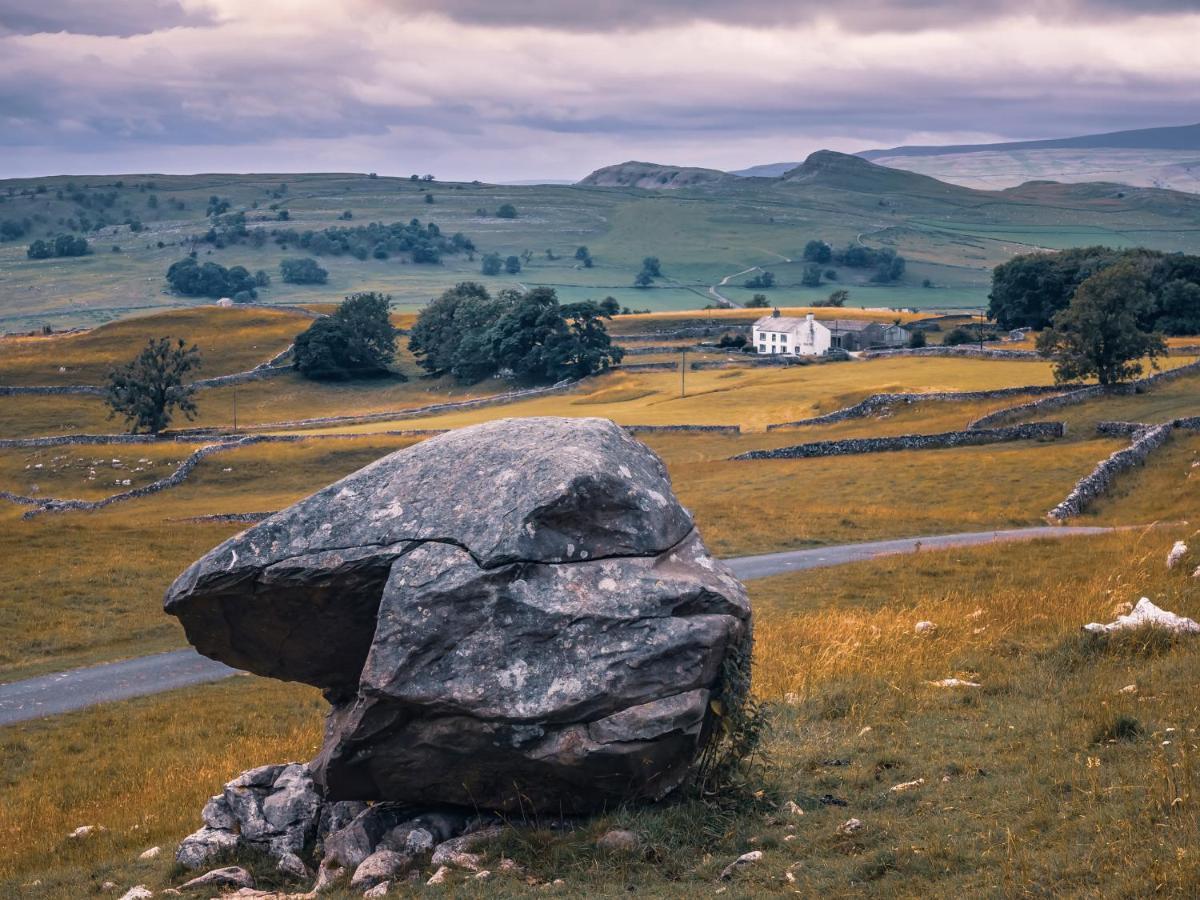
[{"x": 63, "y": 692}]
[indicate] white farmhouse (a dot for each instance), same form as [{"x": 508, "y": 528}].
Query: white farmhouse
[
  {"x": 795, "y": 337},
  {"x": 810, "y": 337}
]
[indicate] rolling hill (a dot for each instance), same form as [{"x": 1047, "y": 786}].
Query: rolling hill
[
  {"x": 1167, "y": 157},
  {"x": 710, "y": 230}
]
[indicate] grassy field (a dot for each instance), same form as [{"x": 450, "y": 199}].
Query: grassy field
[
  {"x": 1055, "y": 777},
  {"x": 951, "y": 236},
  {"x": 229, "y": 340}
]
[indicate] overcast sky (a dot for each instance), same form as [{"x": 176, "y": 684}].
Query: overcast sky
[{"x": 504, "y": 90}]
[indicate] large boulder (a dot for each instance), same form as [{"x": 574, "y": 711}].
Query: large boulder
[{"x": 511, "y": 616}]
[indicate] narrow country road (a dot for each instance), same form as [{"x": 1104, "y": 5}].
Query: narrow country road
[{"x": 76, "y": 689}]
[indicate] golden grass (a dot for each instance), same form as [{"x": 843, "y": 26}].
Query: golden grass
[
  {"x": 88, "y": 471},
  {"x": 1049, "y": 779},
  {"x": 1165, "y": 489},
  {"x": 90, "y": 584},
  {"x": 753, "y": 399},
  {"x": 759, "y": 506},
  {"x": 230, "y": 340}
]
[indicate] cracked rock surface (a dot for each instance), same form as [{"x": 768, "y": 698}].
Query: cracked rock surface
[{"x": 518, "y": 614}]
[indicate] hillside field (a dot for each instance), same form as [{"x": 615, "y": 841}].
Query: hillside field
[
  {"x": 712, "y": 236},
  {"x": 1053, "y": 777}
]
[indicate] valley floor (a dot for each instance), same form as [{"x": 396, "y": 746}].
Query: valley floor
[{"x": 1049, "y": 778}]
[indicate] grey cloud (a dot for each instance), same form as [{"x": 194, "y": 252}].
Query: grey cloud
[
  {"x": 119, "y": 18},
  {"x": 854, "y": 15}
]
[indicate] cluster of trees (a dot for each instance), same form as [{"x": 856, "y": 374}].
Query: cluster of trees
[
  {"x": 14, "y": 229},
  {"x": 357, "y": 341},
  {"x": 1029, "y": 290},
  {"x": 305, "y": 270},
  {"x": 62, "y": 245},
  {"x": 472, "y": 335},
  {"x": 493, "y": 264},
  {"x": 424, "y": 242},
  {"x": 210, "y": 279},
  {"x": 889, "y": 266},
  {"x": 836, "y": 298},
  {"x": 651, "y": 269},
  {"x": 762, "y": 281},
  {"x": 584, "y": 256}
]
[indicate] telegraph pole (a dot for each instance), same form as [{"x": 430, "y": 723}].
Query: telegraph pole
[
  {"x": 981, "y": 311},
  {"x": 683, "y": 373},
  {"x": 235, "y": 408}
]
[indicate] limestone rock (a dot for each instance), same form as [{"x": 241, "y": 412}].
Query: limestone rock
[
  {"x": 272, "y": 808},
  {"x": 227, "y": 876},
  {"x": 138, "y": 892},
  {"x": 380, "y": 890},
  {"x": 850, "y": 826},
  {"x": 1146, "y": 614},
  {"x": 618, "y": 841},
  {"x": 1178, "y": 552},
  {"x": 517, "y": 616},
  {"x": 382, "y": 865},
  {"x": 746, "y": 859}
]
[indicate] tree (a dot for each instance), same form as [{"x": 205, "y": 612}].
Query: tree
[
  {"x": 1098, "y": 333},
  {"x": 492, "y": 264},
  {"x": 210, "y": 279},
  {"x": 643, "y": 279},
  {"x": 512, "y": 265},
  {"x": 305, "y": 270},
  {"x": 758, "y": 301},
  {"x": 653, "y": 266},
  {"x": 1178, "y": 307},
  {"x": 818, "y": 252},
  {"x": 357, "y": 341},
  {"x": 811, "y": 276},
  {"x": 916, "y": 340},
  {"x": 506, "y": 211},
  {"x": 582, "y": 253},
  {"x": 148, "y": 390},
  {"x": 609, "y": 306},
  {"x": 838, "y": 297}
]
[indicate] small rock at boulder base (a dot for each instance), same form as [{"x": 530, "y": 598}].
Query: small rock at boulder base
[
  {"x": 274, "y": 808},
  {"x": 746, "y": 859},
  {"x": 138, "y": 892},
  {"x": 227, "y": 876},
  {"x": 440, "y": 876},
  {"x": 618, "y": 841},
  {"x": 517, "y": 616},
  {"x": 150, "y": 853},
  {"x": 380, "y": 890},
  {"x": 382, "y": 865}
]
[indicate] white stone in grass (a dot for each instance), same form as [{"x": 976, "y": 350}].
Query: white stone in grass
[
  {"x": 138, "y": 892},
  {"x": 85, "y": 831},
  {"x": 925, "y": 627},
  {"x": 850, "y": 826},
  {"x": 955, "y": 683},
  {"x": 1146, "y": 614},
  {"x": 1178, "y": 552},
  {"x": 1196, "y": 574},
  {"x": 380, "y": 890},
  {"x": 150, "y": 854},
  {"x": 439, "y": 877},
  {"x": 1128, "y": 689},
  {"x": 904, "y": 786},
  {"x": 746, "y": 859}
]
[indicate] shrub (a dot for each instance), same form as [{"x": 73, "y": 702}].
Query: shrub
[
  {"x": 302, "y": 271},
  {"x": 506, "y": 211}
]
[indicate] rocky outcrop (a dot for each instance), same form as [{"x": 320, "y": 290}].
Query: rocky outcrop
[
  {"x": 1035, "y": 431},
  {"x": 1098, "y": 481},
  {"x": 275, "y": 809},
  {"x": 514, "y": 616}
]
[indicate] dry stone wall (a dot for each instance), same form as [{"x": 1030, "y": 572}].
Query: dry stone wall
[
  {"x": 879, "y": 402},
  {"x": 1100, "y": 479},
  {"x": 970, "y": 352},
  {"x": 848, "y": 446}
]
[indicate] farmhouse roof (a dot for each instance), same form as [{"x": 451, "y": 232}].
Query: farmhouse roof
[{"x": 782, "y": 324}]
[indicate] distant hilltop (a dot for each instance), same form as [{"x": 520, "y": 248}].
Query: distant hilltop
[
  {"x": 1166, "y": 157},
  {"x": 652, "y": 176}
]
